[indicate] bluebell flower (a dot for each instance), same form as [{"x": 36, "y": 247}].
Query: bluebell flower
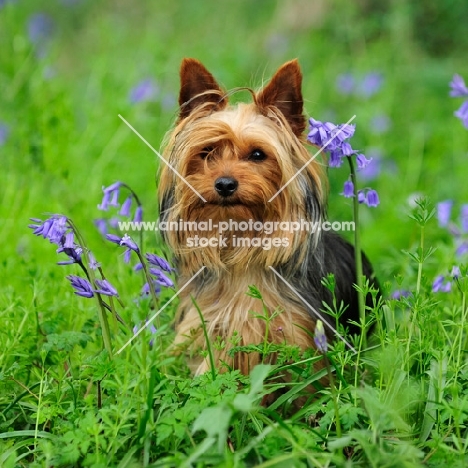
[
  {"x": 113, "y": 238},
  {"x": 138, "y": 214},
  {"x": 368, "y": 197},
  {"x": 74, "y": 255},
  {"x": 127, "y": 241},
  {"x": 380, "y": 124},
  {"x": 362, "y": 161},
  {"x": 330, "y": 136},
  {"x": 454, "y": 230},
  {"x": 151, "y": 328},
  {"x": 58, "y": 229},
  {"x": 455, "y": 273},
  {"x": 462, "y": 114},
  {"x": 320, "y": 339},
  {"x": 444, "y": 210},
  {"x": 318, "y": 134},
  {"x": 69, "y": 242},
  {"x": 372, "y": 198},
  {"x": 101, "y": 225},
  {"x": 42, "y": 228},
  {"x": 110, "y": 197},
  {"x": 159, "y": 262},
  {"x": 68, "y": 246},
  {"x": 333, "y": 138},
  {"x": 127, "y": 204},
  {"x": 127, "y": 255},
  {"x": 37, "y": 227},
  {"x": 53, "y": 228},
  {"x": 161, "y": 278},
  {"x": 462, "y": 249},
  {"x": 104, "y": 205},
  {"x": 40, "y": 28},
  {"x": 4, "y": 131},
  {"x": 399, "y": 293},
  {"x": 345, "y": 83},
  {"x": 346, "y": 149},
  {"x": 114, "y": 222},
  {"x": 458, "y": 87},
  {"x": 372, "y": 170},
  {"x": 336, "y": 158},
  {"x": 348, "y": 189},
  {"x": 371, "y": 84},
  {"x": 343, "y": 132},
  {"x": 92, "y": 262},
  {"x": 145, "y": 90},
  {"x": 81, "y": 285},
  {"x": 145, "y": 290},
  {"x": 464, "y": 218},
  {"x": 440, "y": 285},
  {"x": 104, "y": 287},
  {"x": 114, "y": 201}
]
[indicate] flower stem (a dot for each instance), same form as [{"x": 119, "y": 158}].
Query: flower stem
[
  {"x": 102, "y": 313},
  {"x": 267, "y": 329},
  {"x": 150, "y": 282},
  {"x": 104, "y": 326},
  {"x": 461, "y": 336},
  {"x": 357, "y": 252},
  {"x": 135, "y": 196},
  {"x": 421, "y": 261},
  {"x": 335, "y": 397},
  {"x": 207, "y": 339}
]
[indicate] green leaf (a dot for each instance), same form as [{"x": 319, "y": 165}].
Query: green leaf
[
  {"x": 340, "y": 443},
  {"x": 215, "y": 422},
  {"x": 254, "y": 292},
  {"x": 65, "y": 341},
  {"x": 27, "y": 433},
  {"x": 243, "y": 402},
  {"x": 257, "y": 376}
]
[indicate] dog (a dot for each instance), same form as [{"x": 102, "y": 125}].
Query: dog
[{"x": 239, "y": 166}]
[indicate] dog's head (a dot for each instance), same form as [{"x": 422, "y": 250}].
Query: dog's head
[{"x": 240, "y": 162}]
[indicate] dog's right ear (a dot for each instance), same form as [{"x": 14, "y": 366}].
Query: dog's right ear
[
  {"x": 197, "y": 87},
  {"x": 284, "y": 92}
]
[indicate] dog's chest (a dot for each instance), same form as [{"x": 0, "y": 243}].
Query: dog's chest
[{"x": 247, "y": 306}]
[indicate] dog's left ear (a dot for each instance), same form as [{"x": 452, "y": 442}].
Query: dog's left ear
[{"x": 284, "y": 92}]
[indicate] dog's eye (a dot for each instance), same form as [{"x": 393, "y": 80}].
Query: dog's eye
[
  {"x": 257, "y": 155},
  {"x": 206, "y": 151}
]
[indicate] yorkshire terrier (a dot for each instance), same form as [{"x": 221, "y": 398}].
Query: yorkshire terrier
[{"x": 228, "y": 167}]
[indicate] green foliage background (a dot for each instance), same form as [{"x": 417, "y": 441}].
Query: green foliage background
[{"x": 66, "y": 141}]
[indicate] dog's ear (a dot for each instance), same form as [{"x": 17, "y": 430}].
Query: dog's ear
[
  {"x": 284, "y": 92},
  {"x": 197, "y": 87}
]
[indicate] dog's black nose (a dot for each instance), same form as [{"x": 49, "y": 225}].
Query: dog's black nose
[{"x": 226, "y": 186}]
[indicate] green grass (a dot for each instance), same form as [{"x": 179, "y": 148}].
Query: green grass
[{"x": 63, "y": 402}]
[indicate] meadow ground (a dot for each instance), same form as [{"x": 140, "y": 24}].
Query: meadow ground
[{"x": 68, "y": 68}]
